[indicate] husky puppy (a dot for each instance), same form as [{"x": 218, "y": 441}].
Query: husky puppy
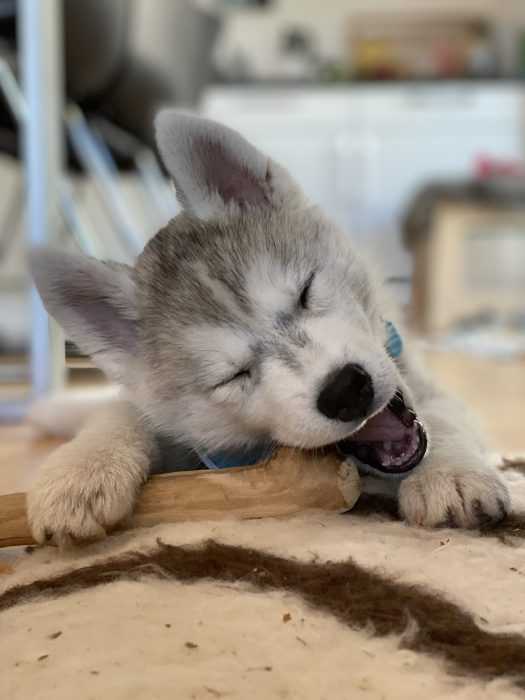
[{"x": 249, "y": 321}]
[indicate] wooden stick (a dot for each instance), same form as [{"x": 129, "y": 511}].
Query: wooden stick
[
  {"x": 14, "y": 529},
  {"x": 290, "y": 482}
]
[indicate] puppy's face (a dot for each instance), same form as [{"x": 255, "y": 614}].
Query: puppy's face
[
  {"x": 249, "y": 326},
  {"x": 248, "y": 318}
]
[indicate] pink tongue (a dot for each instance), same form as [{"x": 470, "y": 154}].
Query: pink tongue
[{"x": 383, "y": 426}]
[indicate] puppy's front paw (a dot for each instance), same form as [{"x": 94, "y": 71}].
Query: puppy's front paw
[
  {"x": 454, "y": 496},
  {"x": 81, "y": 495}
]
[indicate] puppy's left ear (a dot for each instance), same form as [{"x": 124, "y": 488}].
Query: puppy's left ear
[
  {"x": 216, "y": 171},
  {"x": 95, "y": 304}
]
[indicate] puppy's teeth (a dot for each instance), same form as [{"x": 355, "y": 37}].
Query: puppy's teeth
[{"x": 398, "y": 448}]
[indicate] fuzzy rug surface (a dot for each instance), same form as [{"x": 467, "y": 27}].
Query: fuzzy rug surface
[{"x": 312, "y": 607}]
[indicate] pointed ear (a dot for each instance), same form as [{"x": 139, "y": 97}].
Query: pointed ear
[
  {"x": 216, "y": 172},
  {"x": 94, "y": 302}
]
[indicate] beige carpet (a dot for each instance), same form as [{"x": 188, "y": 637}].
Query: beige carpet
[{"x": 400, "y": 613}]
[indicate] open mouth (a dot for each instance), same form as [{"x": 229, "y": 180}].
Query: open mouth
[{"x": 392, "y": 442}]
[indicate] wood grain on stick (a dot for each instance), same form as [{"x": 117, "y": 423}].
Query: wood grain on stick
[{"x": 290, "y": 482}]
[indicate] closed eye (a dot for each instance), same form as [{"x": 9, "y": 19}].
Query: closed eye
[
  {"x": 305, "y": 292},
  {"x": 244, "y": 373}
]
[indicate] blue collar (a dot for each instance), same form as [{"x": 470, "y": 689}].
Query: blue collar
[
  {"x": 394, "y": 342},
  {"x": 237, "y": 458},
  {"x": 253, "y": 455}
]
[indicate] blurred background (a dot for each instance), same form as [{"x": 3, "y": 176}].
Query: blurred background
[{"x": 403, "y": 119}]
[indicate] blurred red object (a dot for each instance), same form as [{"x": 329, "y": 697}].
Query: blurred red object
[{"x": 487, "y": 167}]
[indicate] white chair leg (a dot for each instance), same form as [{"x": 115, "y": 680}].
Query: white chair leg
[
  {"x": 40, "y": 26},
  {"x": 94, "y": 161}
]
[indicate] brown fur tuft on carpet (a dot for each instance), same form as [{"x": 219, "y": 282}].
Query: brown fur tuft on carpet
[{"x": 355, "y": 596}]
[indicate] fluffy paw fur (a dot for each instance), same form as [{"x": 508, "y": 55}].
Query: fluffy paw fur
[
  {"x": 81, "y": 494},
  {"x": 454, "y": 496}
]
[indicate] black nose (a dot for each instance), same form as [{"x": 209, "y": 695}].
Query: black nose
[{"x": 347, "y": 394}]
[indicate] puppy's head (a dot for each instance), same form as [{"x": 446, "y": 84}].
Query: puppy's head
[{"x": 248, "y": 317}]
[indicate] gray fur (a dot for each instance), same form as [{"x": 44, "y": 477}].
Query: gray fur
[{"x": 94, "y": 301}]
